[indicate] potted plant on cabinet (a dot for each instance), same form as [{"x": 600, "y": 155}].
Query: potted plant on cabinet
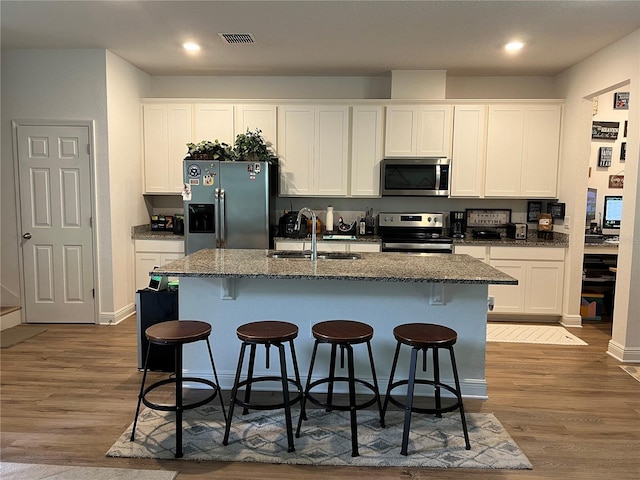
[
  {"x": 208, "y": 150},
  {"x": 251, "y": 146}
]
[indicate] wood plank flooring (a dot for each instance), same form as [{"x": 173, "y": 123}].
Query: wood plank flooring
[{"x": 67, "y": 394}]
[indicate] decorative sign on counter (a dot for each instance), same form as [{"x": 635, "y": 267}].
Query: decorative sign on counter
[
  {"x": 605, "y": 130},
  {"x": 533, "y": 210}
]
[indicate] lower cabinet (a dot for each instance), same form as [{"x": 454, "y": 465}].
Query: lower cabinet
[
  {"x": 356, "y": 247},
  {"x": 540, "y": 275},
  {"x": 150, "y": 253}
]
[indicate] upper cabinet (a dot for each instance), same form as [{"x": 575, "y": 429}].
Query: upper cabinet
[
  {"x": 168, "y": 127},
  {"x": 468, "y": 151},
  {"x": 313, "y": 147},
  {"x": 418, "y": 131},
  {"x": 167, "y": 130},
  {"x": 522, "y": 156},
  {"x": 366, "y": 150}
]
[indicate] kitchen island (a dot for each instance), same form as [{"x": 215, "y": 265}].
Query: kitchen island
[{"x": 230, "y": 287}]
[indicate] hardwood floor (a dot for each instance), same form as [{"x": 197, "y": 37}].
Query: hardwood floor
[{"x": 68, "y": 393}]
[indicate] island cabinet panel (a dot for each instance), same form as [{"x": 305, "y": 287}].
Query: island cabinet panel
[
  {"x": 468, "y": 151},
  {"x": 166, "y": 131},
  {"x": 522, "y": 153},
  {"x": 331, "y": 246},
  {"x": 313, "y": 147},
  {"x": 418, "y": 131},
  {"x": 540, "y": 274}
]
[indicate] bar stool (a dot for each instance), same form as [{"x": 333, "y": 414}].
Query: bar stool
[
  {"x": 267, "y": 333},
  {"x": 422, "y": 337},
  {"x": 344, "y": 334},
  {"x": 177, "y": 333}
]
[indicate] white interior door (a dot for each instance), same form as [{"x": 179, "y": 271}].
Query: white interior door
[{"x": 55, "y": 204}]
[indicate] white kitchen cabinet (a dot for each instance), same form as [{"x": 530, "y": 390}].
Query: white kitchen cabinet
[
  {"x": 149, "y": 253},
  {"x": 259, "y": 116},
  {"x": 366, "y": 150},
  {"x": 167, "y": 128},
  {"x": 540, "y": 275},
  {"x": 480, "y": 252},
  {"x": 468, "y": 151},
  {"x": 522, "y": 151},
  {"x": 418, "y": 131},
  {"x": 213, "y": 121},
  {"x": 332, "y": 246},
  {"x": 313, "y": 146}
]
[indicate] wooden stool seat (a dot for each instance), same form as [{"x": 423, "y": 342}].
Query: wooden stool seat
[
  {"x": 425, "y": 335},
  {"x": 267, "y": 333},
  {"x": 342, "y": 331},
  {"x": 422, "y": 337},
  {"x": 177, "y": 333},
  {"x": 343, "y": 334}
]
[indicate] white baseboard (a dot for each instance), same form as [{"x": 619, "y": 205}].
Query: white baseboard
[
  {"x": 113, "y": 318},
  {"x": 622, "y": 354}
]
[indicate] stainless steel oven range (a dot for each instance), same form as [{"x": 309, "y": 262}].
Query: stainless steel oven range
[{"x": 414, "y": 232}]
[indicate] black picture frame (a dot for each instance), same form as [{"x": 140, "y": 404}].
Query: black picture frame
[
  {"x": 623, "y": 151},
  {"x": 621, "y": 101},
  {"x": 556, "y": 209},
  {"x": 604, "y": 156},
  {"x": 533, "y": 210},
  {"x": 626, "y": 122},
  {"x": 605, "y": 130}
]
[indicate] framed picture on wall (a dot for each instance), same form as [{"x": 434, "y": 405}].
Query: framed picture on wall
[
  {"x": 621, "y": 101},
  {"x": 623, "y": 151},
  {"x": 605, "y": 130},
  {"x": 626, "y": 122},
  {"x": 604, "y": 156},
  {"x": 616, "y": 181}
]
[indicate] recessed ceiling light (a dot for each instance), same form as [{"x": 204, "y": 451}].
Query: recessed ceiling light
[
  {"x": 191, "y": 47},
  {"x": 513, "y": 46}
]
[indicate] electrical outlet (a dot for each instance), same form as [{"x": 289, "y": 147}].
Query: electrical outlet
[{"x": 567, "y": 223}]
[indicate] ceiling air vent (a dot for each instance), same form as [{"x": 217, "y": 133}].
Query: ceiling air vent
[{"x": 237, "y": 38}]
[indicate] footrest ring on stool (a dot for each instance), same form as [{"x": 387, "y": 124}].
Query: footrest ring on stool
[
  {"x": 186, "y": 406},
  {"x": 445, "y": 409},
  {"x": 344, "y": 408},
  {"x": 268, "y": 406}
]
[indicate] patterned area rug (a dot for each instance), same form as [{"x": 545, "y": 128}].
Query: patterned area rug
[
  {"x": 542, "y": 334},
  {"x": 633, "y": 370},
  {"x": 30, "y": 471},
  {"x": 325, "y": 439}
]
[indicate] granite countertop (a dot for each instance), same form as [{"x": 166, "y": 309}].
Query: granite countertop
[
  {"x": 144, "y": 232},
  {"x": 386, "y": 267},
  {"x": 560, "y": 240},
  {"x": 320, "y": 238}
]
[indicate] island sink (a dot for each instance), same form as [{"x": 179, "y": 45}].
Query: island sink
[{"x": 306, "y": 254}]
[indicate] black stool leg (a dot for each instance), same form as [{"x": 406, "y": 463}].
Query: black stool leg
[
  {"x": 459, "y": 394},
  {"x": 179, "y": 410},
  {"x": 247, "y": 392},
  {"x": 303, "y": 403},
  {"x": 375, "y": 384},
  {"x": 352, "y": 402},
  {"x": 436, "y": 378},
  {"x": 285, "y": 395},
  {"x": 144, "y": 378},
  {"x": 332, "y": 374},
  {"x": 215, "y": 377},
  {"x": 234, "y": 392},
  {"x": 409, "y": 401},
  {"x": 393, "y": 372}
]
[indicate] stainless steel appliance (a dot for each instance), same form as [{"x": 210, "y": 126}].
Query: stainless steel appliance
[
  {"x": 229, "y": 204},
  {"x": 517, "y": 231},
  {"x": 415, "y": 176},
  {"x": 414, "y": 233},
  {"x": 458, "y": 224}
]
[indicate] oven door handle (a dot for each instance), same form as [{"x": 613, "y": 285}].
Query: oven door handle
[{"x": 418, "y": 246}]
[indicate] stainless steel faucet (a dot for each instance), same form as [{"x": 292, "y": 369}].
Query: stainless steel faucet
[{"x": 314, "y": 241}]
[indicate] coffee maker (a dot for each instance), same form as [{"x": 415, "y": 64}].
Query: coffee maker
[{"x": 458, "y": 224}]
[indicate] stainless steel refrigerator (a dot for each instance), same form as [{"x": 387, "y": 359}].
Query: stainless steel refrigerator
[{"x": 229, "y": 204}]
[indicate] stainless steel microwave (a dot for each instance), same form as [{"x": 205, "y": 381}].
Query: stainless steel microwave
[{"x": 415, "y": 177}]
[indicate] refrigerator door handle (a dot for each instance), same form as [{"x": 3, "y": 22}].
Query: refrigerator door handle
[
  {"x": 223, "y": 220},
  {"x": 216, "y": 198}
]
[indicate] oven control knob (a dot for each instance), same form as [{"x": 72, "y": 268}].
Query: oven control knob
[{"x": 429, "y": 219}]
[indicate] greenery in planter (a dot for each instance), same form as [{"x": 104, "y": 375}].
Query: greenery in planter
[
  {"x": 208, "y": 150},
  {"x": 252, "y": 146}
]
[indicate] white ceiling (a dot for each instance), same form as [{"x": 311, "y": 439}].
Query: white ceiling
[{"x": 307, "y": 37}]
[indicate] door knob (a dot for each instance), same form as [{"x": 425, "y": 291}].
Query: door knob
[{"x": 26, "y": 236}]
